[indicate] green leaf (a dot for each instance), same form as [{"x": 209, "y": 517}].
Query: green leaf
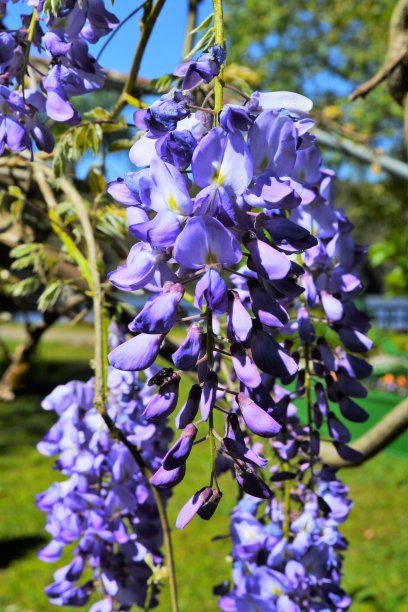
[
  {"x": 50, "y": 295},
  {"x": 163, "y": 83},
  {"x": 25, "y": 249},
  {"x": 203, "y": 25},
  {"x": 25, "y": 287},
  {"x": 204, "y": 42},
  {"x": 121, "y": 144},
  {"x": 98, "y": 113}
]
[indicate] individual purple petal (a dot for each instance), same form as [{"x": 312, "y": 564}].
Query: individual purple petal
[
  {"x": 140, "y": 267},
  {"x": 331, "y": 306},
  {"x": 321, "y": 399},
  {"x": 348, "y": 453},
  {"x": 256, "y": 419},
  {"x": 355, "y": 366},
  {"x": 205, "y": 241},
  {"x": 352, "y": 411},
  {"x": 163, "y": 403},
  {"x": 326, "y": 355},
  {"x": 354, "y": 340},
  {"x": 269, "y": 356},
  {"x": 223, "y": 160},
  {"x": 185, "y": 358},
  {"x": 158, "y": 316},
  {"x": 272, "y": 141},
  {"x": 58, "y": 107},
  {"x": 350, "y": 386},
  {"x": 265, "y": 307},
  {"x": 337, "y": 429},
  {"x": 278, "y": 100},
  {"x": 189, "y": 411},
  {"x": 235, "y": 118},
  {"x": 268, "y": 261},
  {"x": 251, "y": 483},
  {"x": 167, "y": 189},
  {"x": 142, "y": 152},
  {"x": 52, "y": 552},
  {"x": 136, "y": 354},
  {"x": 276, "y": 193},
  {"x": 121, "y": 193},
  {"x": 213, "y": 289},
  {"x": 165, "y": 479},
  {"x": 161, "y": 231},
  {"x": 209, "y": 395},
  {"x": 206, "y": 511},
  {"x": 240, "y": 451},
  {"x": 306, "y": 329},
  {"x": 180, "y": 451},
  {"x": 190, "y": 509},
  {"x": 239, "y": 321},
  {"x": 244, "y": 367}
]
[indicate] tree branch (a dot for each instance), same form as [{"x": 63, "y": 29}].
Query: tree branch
[
  {"x": 346, "y": 146},
  {"x": 363, "y": 90},
  {"x": 374, "y": 440}
]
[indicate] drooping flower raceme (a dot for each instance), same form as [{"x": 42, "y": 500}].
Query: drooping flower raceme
[
  {"x": 104, "y": 506},
  {"x": 64, "y": 36},
  {"x": 238, "y": 228}
]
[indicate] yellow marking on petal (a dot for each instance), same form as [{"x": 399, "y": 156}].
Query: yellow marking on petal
[
  {"x": 172, "y": 203},
  {"x": 211, "y": 257}
]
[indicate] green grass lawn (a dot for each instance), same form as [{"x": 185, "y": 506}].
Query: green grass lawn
[{"x": 376, "y": 565}]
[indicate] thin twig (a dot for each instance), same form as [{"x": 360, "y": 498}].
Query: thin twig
[
  {"x": 147, "y": 28},
  {"x": 363, "y": 90}
]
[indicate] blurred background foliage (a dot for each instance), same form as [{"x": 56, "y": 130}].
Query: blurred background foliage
[{"x": 325, "y": 49}]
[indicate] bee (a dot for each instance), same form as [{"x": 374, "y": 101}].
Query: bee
[{"x": 158, "y": 379}]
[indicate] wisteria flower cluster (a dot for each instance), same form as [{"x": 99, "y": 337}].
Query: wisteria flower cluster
[
  {"x": 291, "y": 568},
  {"x": 104, "y": 505},
  {"x": 233, "y": 215},
  {"x": 72, "y": 70}
]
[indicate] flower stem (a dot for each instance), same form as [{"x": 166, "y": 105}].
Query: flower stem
[
  {"x": 309, "y": 402},
  {"x": 210, "y": 364},
  {"x": 30, "y": 38},
  {"x": 219, "y": 40}
]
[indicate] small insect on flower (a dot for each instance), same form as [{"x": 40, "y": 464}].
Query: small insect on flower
[{"x": 158, "y": 379}]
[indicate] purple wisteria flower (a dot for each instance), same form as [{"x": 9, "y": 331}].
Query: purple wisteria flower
[{"x": 104, "y": 506}]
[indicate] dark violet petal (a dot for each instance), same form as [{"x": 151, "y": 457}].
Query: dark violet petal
[
  {"x": 269, "y": 356},
  {"x": 269, "y": 262},
  {"x": 240, "y": 451},
  {"x": 337, "y": 429},
  {"x": 348, "y": 453},
  {"x": 244, "y": 367},
  {"x": 321, "y": 399},
  {"x": 209, "y": 394},
  {"x": 352, "y": 411},
  {"x": 265, "y": 307},
  {"x": 239, "y": 321},
  {"x": 180, "y": 451},
  {"x": 189, "y": 411},
  {"x": 350, "y": 386},
  {"x": 190, "y": 509},
  {"x": 354, "y": 340},
  {"x": 326, "y": 355},
  {"x": 136, "y": 354},
  {"x": 256, "y": 419},
  {"x": 306, "y": 329},
  {"x": 185, "y": 358},
  {"x": 164, "y": 402},
  {"x": 168, "y": 478},
  {"x": 206, "y": 511},
  {"x": 251, "y": 483},
  {"x": 355, "y": 366}
]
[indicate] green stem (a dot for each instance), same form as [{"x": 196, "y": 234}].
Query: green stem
[
  {"x": 147, "y": 25},
  {"x": 210, "y": 364},
  {"x": 286, "y": 527},
  {"x": 219, "y": 40},
  {"x": 191, "y": 24},
  {"x": 30, "y": 38},
  {"x": 309, "y": 401}
]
